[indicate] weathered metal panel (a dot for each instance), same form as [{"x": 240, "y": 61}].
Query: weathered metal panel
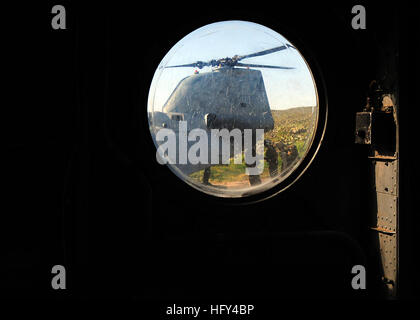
[
  {"x": 388, "y": 248},
  {"x": 379, "y": 128},
  {"x": 386, "y": 211},
  {"x": 385, "y": 176}
]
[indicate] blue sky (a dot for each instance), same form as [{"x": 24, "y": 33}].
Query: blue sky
[{"x": 285, "y": 88}]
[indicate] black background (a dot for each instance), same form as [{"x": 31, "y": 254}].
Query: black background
[{"x": 83, "y": 189}]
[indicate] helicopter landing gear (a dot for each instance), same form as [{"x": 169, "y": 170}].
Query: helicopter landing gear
[
  {"x": 206, "y": 176},
  {"x": 254, "y": 180}
]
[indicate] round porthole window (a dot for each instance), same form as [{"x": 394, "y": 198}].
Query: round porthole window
[{"x": 234, "y": 110}]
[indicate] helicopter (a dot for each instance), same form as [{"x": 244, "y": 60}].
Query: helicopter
[{"x": 231, "y": 96}]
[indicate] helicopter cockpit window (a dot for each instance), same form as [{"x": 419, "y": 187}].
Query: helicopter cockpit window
[{"x": 233, "y": 109}]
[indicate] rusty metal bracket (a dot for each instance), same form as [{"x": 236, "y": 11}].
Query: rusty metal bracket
[{"x": 383, "y": 230}]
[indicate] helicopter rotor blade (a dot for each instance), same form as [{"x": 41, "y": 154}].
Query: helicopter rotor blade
[
  {"x": 198, "y": 64},
  {"x": 261, "y": 66},
  {"x": 232, "y": 62},
  {"x": 264, "y": 52},
  {"x": 181, "y": 65}
]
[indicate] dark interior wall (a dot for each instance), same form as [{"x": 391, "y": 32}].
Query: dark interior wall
[
  {"x": 409, "y": 169},
  {"x": 87, "y": 193}
]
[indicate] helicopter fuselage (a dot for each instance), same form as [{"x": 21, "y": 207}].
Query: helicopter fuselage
[{"x": 228, "y": 98}]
